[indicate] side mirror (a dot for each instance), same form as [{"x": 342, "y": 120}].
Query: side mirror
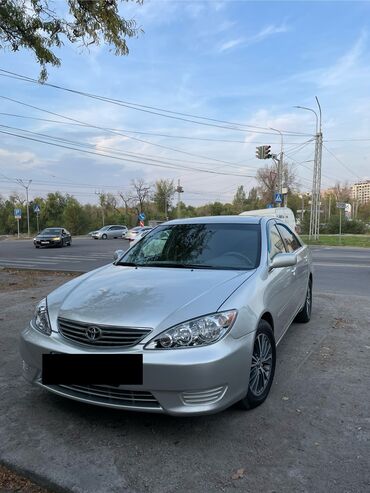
[
  {"x": 283, "y": 260},
  {"x": 118, "y": 254}
]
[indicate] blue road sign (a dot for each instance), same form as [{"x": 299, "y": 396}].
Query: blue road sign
[
  {"x": 141, "y": 216},
  {"x": 18, "y": 213},
  {"x": 270, "y": 206},
  {"x": 36, "y": 208},
  {"x": 278, "y": 198}
]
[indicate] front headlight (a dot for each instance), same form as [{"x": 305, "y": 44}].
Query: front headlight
[
  {"x": 56, "y": 238},
  {"x": 41, "y": 320},
  {"x": 201, "y": 331}
]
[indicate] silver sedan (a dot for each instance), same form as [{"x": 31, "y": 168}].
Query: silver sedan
[{"x": 184, "y": 322}]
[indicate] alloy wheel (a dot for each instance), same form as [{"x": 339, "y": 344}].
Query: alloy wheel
[{"x": 261, "y": 364}]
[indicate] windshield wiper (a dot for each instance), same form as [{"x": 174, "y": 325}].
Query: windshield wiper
[
  {"x": 178, "y": 265},
  {"x": 127, "y": 264}
]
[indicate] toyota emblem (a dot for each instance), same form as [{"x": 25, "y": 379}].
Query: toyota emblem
[{"x": 93, "y": 333}]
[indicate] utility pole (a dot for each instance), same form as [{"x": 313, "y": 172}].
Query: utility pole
[
  {"x": 280, "y": 164},
  {"x": 314, "y": 230},
  {"x": 179, "y": 190},
  {"x": 26, "y": 187}
]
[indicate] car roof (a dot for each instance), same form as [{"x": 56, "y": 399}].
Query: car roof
[{"x": 218, "y": 219}]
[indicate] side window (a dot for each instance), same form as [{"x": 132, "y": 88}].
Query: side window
[
  {"x": 291, "y": 241},
  {"x": 276, "y": 244}
]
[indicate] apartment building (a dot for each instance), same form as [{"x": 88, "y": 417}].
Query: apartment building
[{"x": 361, "y": 191}]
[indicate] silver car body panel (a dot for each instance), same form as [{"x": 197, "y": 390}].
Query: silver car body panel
[{"x": 197, "y": 380}]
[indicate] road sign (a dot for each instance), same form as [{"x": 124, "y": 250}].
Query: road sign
[
  {"x": 270, "y": 206},
  {"x": 278, "y": 198},
  {"x": 141, "y": 216},
  {"x": 341, "y": 205},
  {"x": 18, "y": 213},
  {"x": 36, "y": 208}
]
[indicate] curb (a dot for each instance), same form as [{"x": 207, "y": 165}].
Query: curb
[{"x": 40, "y": 480}]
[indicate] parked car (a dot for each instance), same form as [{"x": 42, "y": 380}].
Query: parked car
[
  {"x": 184, "y": 322},
  {"x": 53, "y": 237},
  {"x": 132, "y": 234},
  {"x": 109, "y": 232}
]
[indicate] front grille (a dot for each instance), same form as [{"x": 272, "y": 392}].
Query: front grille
[
  {"x": 108, "y": 394},
  {"x": 203, "y": 397},
  {"x": 105, "y": 335}
]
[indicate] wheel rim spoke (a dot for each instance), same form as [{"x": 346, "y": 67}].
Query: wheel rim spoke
[{"x": 261, "y": 364}]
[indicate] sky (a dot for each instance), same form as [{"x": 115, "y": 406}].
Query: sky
[{"x": 243, "y": 62}]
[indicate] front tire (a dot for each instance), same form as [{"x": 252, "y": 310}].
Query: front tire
[
  {"x": 304, "y": 315},
  {"x": 104, "y": 237},
  {"x": 262, "y": 368}
]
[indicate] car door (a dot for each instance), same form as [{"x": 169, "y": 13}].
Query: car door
[
  {"x": 301, "y": 269},
  {"x": 111, "y": 232},
  {"x": 280, "y": 285}
]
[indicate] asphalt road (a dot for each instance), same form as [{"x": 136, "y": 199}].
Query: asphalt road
[
  {"x": 85, "y": 254},
  {"x": 338, "y": 269},
  {"x": 311, "y": 435}
]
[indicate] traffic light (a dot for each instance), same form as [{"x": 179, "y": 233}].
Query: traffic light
[
  {"x": 267, "y": 152},
  {"x": 260, "y": 152},
  {"x": 263, "y": 152}
]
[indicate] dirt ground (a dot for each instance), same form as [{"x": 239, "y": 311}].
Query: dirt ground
[{"x": 17, "y": 280}]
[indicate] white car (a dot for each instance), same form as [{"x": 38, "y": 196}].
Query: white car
[{"x": 133, "y": 233}]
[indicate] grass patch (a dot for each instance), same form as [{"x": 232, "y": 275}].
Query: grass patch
[{"x": 343, "y": 240}]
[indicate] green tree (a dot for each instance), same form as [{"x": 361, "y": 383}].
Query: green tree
[
  {"x": 240, "y": 200},
  {"x": 74, "y": 217},
  {"x": 39, "y": 26},
  {"x": 163, "y": 195},
  {"x": 52, "y": 213}
]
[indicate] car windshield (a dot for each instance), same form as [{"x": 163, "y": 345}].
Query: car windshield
[
  {"x": 207, "y": 246},
  {"x": 51, "y": 231}
]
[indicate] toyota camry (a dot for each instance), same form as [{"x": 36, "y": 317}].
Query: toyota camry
[{"x": 184, "y": 322}]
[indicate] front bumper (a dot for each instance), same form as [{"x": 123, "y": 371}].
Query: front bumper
[
  {"x": 190, "y": 381},
  {"x": 45, "y": 243}
]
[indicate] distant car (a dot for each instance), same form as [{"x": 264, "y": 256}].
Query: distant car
[
  {"x": 53, "y": 237},
  {"x": 133, "y": 233},
  {"x": 110, "y": 231}
]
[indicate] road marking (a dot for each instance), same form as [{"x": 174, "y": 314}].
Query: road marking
[
  {"x": 25, "y": 260},
  {"x": 332, "y": 264}
]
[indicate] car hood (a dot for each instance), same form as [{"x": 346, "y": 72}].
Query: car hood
[
  {"x": 143, "y": 297},
  {"x": 46, "y": 237}
]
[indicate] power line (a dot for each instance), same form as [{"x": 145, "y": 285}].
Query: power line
[
  {"x": 154, "y": 134},
  {"x": 104, "y": 129},
  {"x": 151, "y": 109},
  {"x": 123, "y": 159},
  {"x": 348, "y": 168}
]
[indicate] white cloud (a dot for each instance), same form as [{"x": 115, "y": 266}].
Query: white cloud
[
  {"x": 231, "y": 44},
  {"x": 19, "y": 160},
  {"x": 263, "y": 34},
  {"x": 342, "y": 67}
]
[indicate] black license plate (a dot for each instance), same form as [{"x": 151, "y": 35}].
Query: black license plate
[{"x": 107, "y": 369}]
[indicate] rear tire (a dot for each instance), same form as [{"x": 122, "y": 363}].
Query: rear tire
[
  {"x": 262, "y": 369},
  {"x": 304, "y": 315}
]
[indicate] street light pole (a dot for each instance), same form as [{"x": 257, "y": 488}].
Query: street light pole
[
  {"x": 316, "y": 180},
  {"x": 20, "y": 181},
  {"x": 280, "y": 163}
]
